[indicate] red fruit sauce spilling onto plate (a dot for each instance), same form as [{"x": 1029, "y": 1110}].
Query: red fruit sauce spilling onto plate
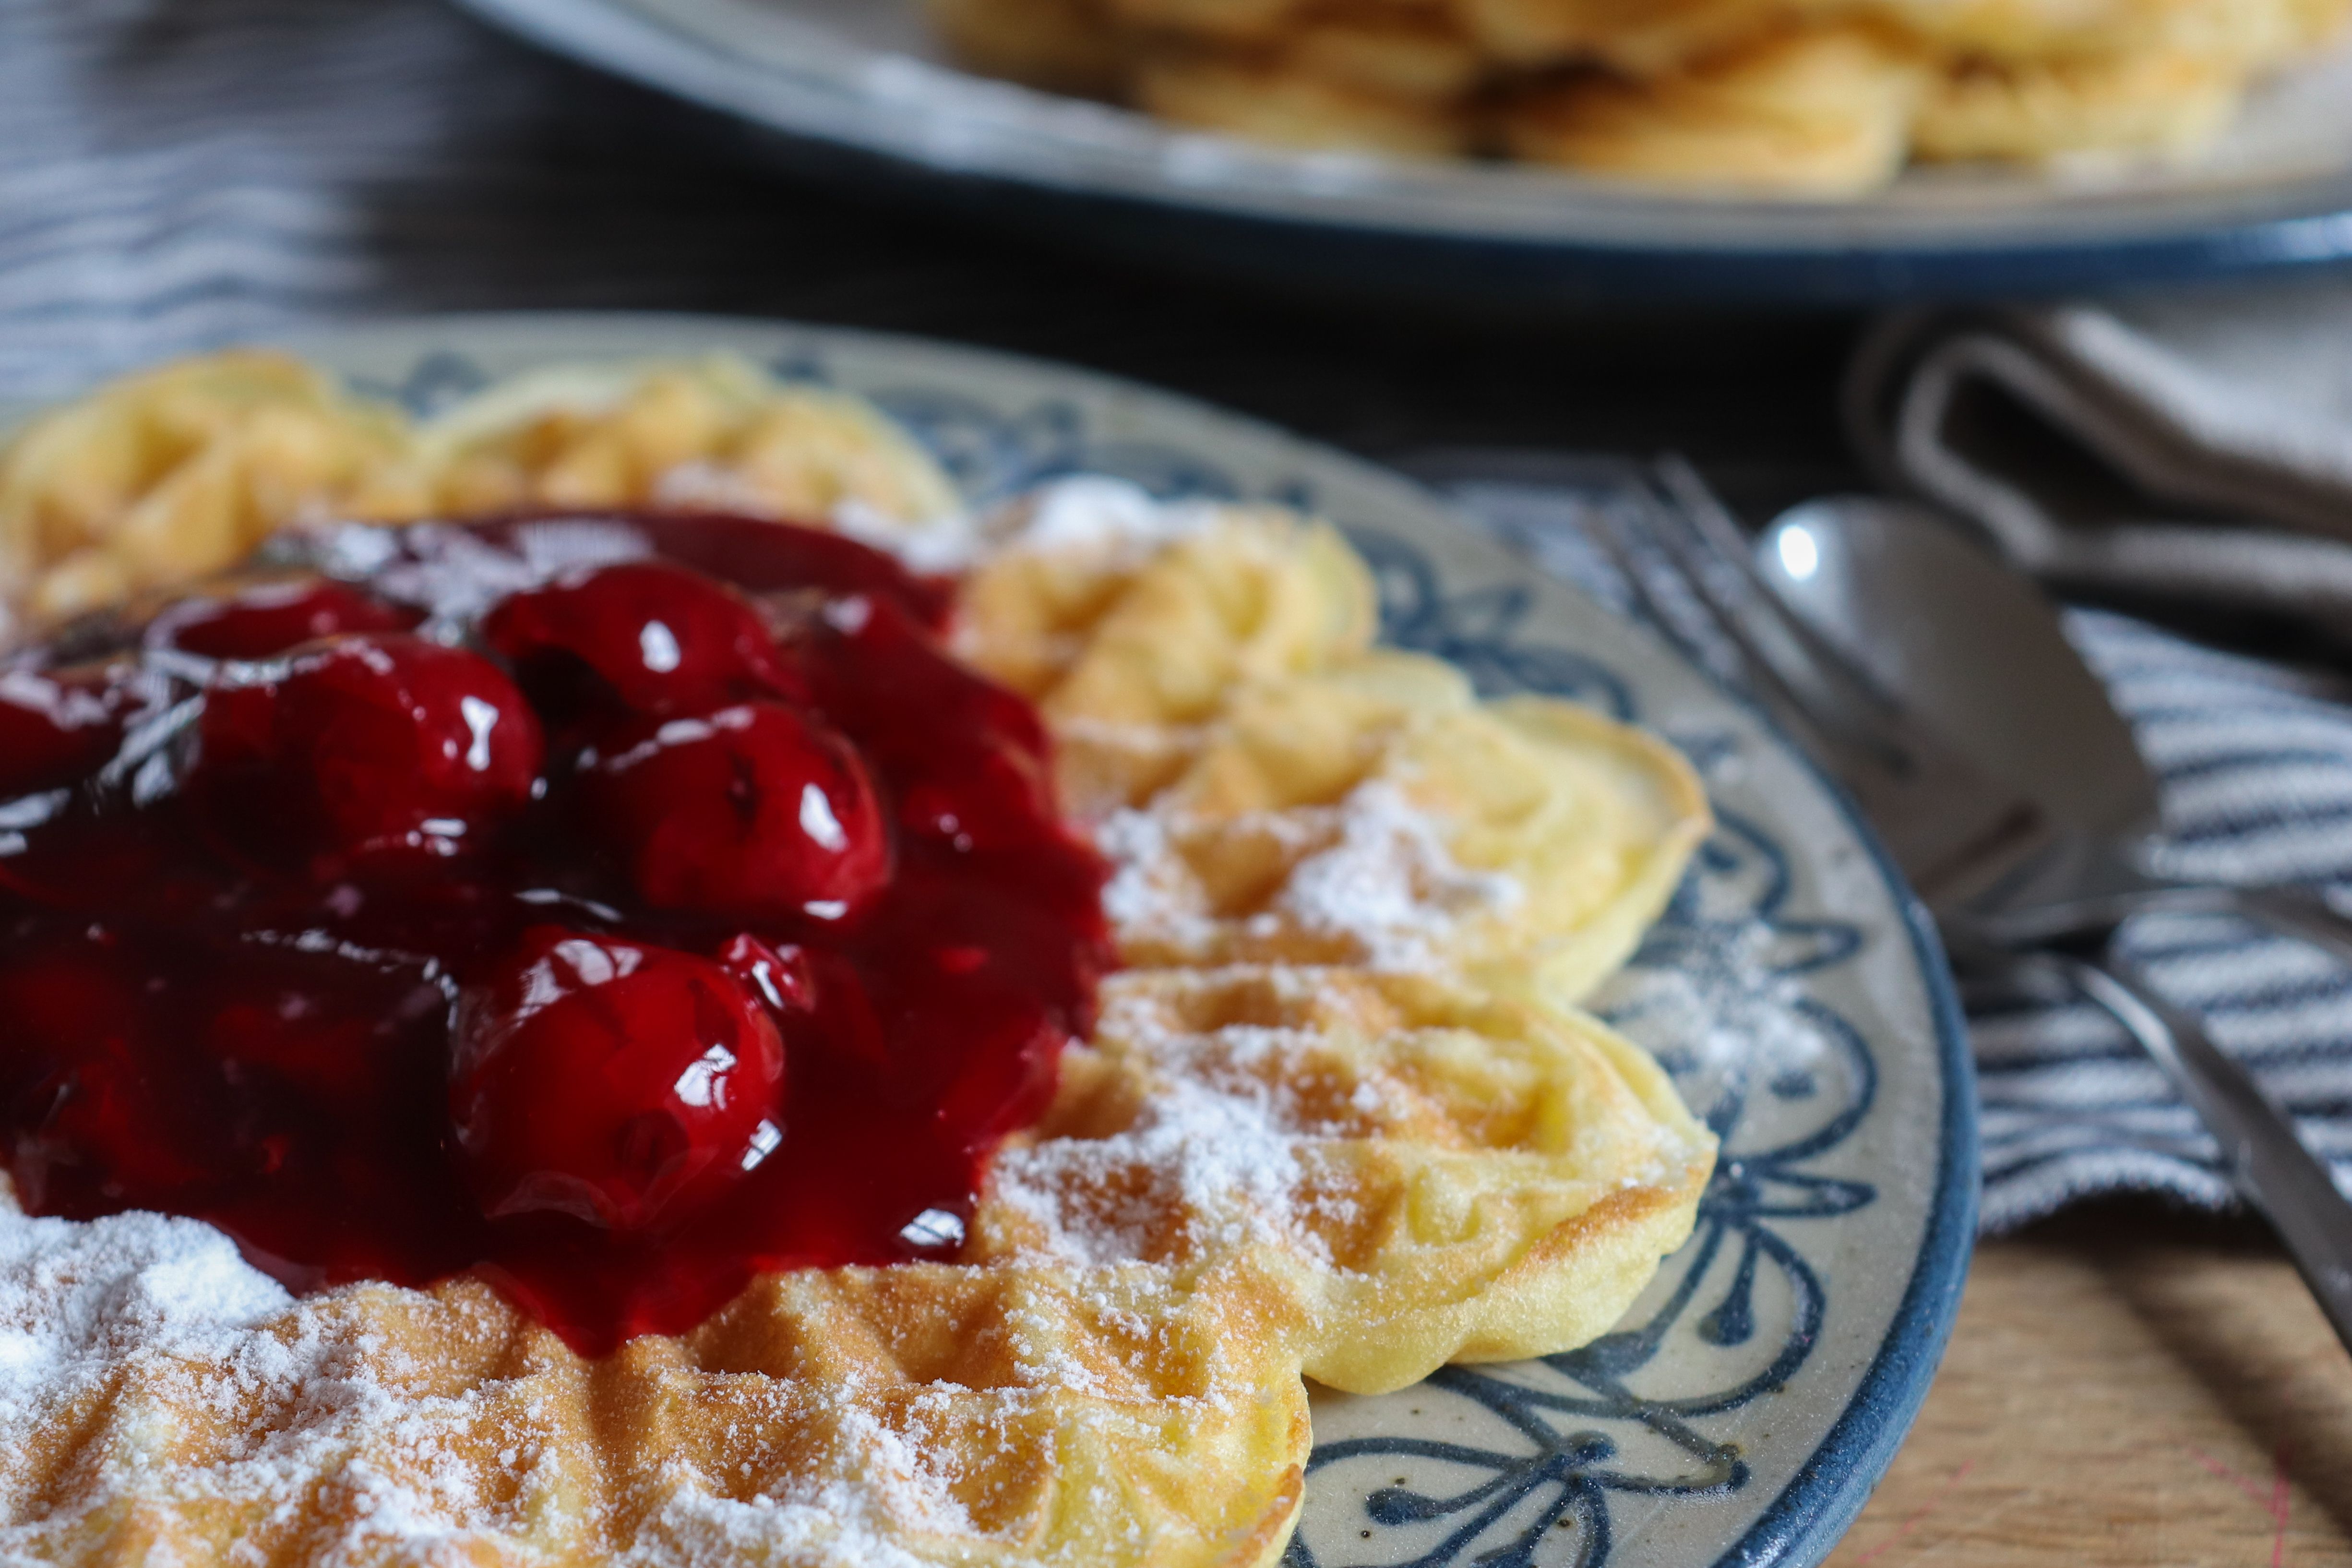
[{"x": 615, "y": 906}]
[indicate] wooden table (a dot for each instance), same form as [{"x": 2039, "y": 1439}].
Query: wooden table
[{"x": 2125, "y": 1386}]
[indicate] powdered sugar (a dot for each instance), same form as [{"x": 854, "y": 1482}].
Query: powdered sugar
[
  {"x": 1219, "y": 1168},
  {"x": 935, "y": 546},
  {"x": 1091, "y": 512},
  {"x": 1151, "y": 888},
  {"x": 455, "y": 576},
  {"x": 1087, "y": 513},
  {"x": 1390, "y": 884},
  {"x": 1372, "y": 877},
  {"x": 162, "y": 1320},
  {"x": 76, "y": 1299}
]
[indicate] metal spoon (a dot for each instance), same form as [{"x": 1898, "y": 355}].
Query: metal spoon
[{"x": 1973, "y": 647}]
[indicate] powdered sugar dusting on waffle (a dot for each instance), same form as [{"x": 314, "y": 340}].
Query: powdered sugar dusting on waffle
[
  {"x": 1389, "y": 883},
  {"x": 1149, "y": 883},
  {"x": 208, "y": 1338},
  {"x": 1223, "y": 1159},
  {"x": 898, "y": 1489},
  {"x": 1217, "y": 1146},
  {"x": 1092, "y": 512},
  {"x": 1089, "y": 513},
  {"x": 1378, "y": 879},
  {"x": 75, "y": 1298},
  {"x": 87, "y": 1303}
]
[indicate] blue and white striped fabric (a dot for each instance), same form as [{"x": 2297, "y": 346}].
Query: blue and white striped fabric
[
  {"x": 179, "y": 174},
  {"x": 2256, "y": 763}
]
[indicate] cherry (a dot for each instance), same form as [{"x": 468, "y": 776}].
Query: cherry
[
  {"x": 762, "y": 556},
  {"x": 781, "y": 976},
  {"x": 55, "y": 729},
  {"x": 291, "y": 1037},
  {"x": 754, "y": 813},
  {"x": 659, "y": 639},
  {"x": 103, "y": 1130},
  {"x": 267, "y": 617},
  {"x": 615, "y": 1082},
  {"x": 353, "y": 1067},
  {"x": 980, "y": 780},
  {"x": 377, "y": 746}
]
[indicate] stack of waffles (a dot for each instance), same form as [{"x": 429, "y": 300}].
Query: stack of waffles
[
  {"x": 1806, "y": 98},
  {"x": 1341, "y": 1118}
]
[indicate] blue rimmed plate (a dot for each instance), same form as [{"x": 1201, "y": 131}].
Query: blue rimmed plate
[
  {"x": 855, "y": 88},
  {"x": 1744, "y": 1409}
]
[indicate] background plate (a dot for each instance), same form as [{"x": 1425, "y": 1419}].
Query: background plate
[
  {"x": 1747, "y": 1405},
  {"x": 852, "y": 88}
]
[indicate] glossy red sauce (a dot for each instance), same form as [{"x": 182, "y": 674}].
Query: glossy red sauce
[{"x": 435, "y": 905}]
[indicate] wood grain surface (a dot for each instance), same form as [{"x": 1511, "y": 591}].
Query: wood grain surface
[{"x": 2125, "y": 1387}]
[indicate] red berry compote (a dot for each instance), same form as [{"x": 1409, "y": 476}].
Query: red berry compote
[{"x": 617, "y": 906}]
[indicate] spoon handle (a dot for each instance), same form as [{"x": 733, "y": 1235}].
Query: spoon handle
[{"x": 2265, "y": 1158}]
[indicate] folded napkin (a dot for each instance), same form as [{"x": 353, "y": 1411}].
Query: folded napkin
[
  {"x": 2256, "y": 764},
  {"x": 2194, "y": 447}
]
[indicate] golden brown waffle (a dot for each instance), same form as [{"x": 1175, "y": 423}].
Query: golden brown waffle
[
  {"x": 1131, "y": 643},
  {"x": 1336, "y": 1122},
  {"x": 1272, "y": 789},
  {"x": 1437, "y": 1173},
  {"x": 1798, "y": 98},
  {"x": 186, "y": 1413},
  {"x": 1825, "y": 111},
  {"x": 180, "y": 472},
  {"x": 1376, "y": 813},
  {"x": 717, "y": 432}
]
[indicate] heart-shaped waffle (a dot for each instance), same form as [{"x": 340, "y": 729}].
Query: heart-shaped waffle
[{"x": 1336, "y": 1120}]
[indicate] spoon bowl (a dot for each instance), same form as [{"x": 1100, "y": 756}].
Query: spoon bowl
[{"x": 1971, "y": 646}]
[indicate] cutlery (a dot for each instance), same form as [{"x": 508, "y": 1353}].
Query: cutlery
[
  {"x": 1973, "y": 648},
  {"x": 1969, "y": 842}
]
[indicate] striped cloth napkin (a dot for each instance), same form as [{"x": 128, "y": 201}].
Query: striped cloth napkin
[{"x": 179, "y": 174}]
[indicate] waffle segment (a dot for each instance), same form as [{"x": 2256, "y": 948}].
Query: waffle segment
[
  {"x": 926, "y": 1413},
  {"x": 1439, "y": 1174},
  {"x": 1377, "y": 813}
]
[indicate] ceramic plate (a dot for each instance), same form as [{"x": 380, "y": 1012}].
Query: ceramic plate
[
  {"x": 1743, "y": 1410},
  {"x": 856, "y": 87}
]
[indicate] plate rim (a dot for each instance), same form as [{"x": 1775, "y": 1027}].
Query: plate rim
[
  {"x": 1594, "y": 240},
  {"x": 1813, "y": 1511}
]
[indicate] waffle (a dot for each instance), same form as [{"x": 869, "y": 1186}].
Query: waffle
[
  {"x": 717, "y": 434},
  {"x": 180, "y": 472},
  {"x": 1823, "y": 112},
  {"x": 1437, "y": 1173},
  {"x": 1273, "y": 790},
  {"x": 186, "y": 1412},
  {"x": 1378, "y": 815},
  {"x": 1793, "y": 98},
  {"x": 1339, "y": 1119}
]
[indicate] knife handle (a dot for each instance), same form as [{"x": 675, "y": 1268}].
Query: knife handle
[{"x": 2265, "y": 1158}]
